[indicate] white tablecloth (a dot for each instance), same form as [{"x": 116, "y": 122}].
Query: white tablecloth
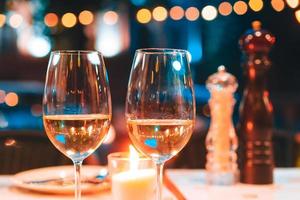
[
  {"x": 192, "y": 184},
  {"x": 9, "y": 192}
]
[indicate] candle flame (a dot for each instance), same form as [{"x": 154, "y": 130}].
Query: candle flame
[{"x": 133, "y": 158}]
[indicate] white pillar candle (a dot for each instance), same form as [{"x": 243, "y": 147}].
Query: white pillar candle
[{"x": 134, "y": 185}]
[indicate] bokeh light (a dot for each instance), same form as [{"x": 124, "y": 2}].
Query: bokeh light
[
  {"x": 69, "y": 20},
  {"x": 192, "y": 13},
  {"x": 209, "y": 13},
  {"x": 160, "y": 14},
  {"x": 11, "y": 99},
  {"x": 256, "y": 5},
  {"x": 2, "y": 20},
  {"x": 143, "y": 16},
  {"x": 293, "y": 3},
  {"x": 36, "y": 110},
  {"x": 51, "y": 19},
  {"x": 110, "y": 17},
  {"x": 225, "y": 8},
  {"x": 2, "y": 96},
  {"x": 278, "y": 5},
  {"x": 297, "y": 14},
  {"x": 176, "y": 13},
  {"x": 15, "y": 20},
  {"x": 39, "y": 46},
  {"x": 86, "y": 17},
  {"x": 240, "y": 7}
]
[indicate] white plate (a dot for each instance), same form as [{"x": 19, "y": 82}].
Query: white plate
[{"x": 21, "y": 179}]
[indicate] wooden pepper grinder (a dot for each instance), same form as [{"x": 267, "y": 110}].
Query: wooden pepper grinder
[{"x": 256, "y": 111}]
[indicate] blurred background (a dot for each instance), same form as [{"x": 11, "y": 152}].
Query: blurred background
[{"x": 208, "y": 29}]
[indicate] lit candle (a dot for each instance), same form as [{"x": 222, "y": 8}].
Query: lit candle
[{"x": 135, "y": 183}]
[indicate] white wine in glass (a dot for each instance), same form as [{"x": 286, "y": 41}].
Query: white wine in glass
[
  {"x": 76, "y": 105},
  {"x": 160, "y": 105},
  {"x": 160, "y": 139},
  {"x": 77, "y": 136}
]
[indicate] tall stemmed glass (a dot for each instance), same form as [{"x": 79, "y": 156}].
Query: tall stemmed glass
[
  {"x": 160, "y": 105},
  {"x": 76, "y": 105}
]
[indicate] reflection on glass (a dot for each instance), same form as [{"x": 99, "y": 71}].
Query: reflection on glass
[
  {"x": 160, "y": 105},
  {"x": 76, "y": 105}
]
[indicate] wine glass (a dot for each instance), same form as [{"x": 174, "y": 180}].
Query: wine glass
[
  {"x": 76, "y": 105},
  {"x": 160, "y": 105}
]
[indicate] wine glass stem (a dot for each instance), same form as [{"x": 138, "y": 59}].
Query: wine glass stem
[
  {"x": 159, "y": 180},
  {"x": 77, "y": 167}
]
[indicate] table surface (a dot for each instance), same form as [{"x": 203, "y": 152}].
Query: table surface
[{"x": 192, "y": 184}]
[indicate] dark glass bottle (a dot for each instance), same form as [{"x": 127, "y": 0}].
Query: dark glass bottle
[{"x": 256, "y": 111}]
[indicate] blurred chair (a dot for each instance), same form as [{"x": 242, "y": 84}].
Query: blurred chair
[{"x": 23, "y": 150}]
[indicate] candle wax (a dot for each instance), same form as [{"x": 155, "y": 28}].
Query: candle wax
[{"x": 134, "y": 185}]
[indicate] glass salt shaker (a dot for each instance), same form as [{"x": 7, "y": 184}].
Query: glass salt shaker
[{"x": 221, "y": 141}]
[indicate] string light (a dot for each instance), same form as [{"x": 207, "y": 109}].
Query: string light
[
  {"x": 176, "y": 13},
  {"x": 293, "y": 3},
  {"x": 2, "y": 20},
  {"x": 297, "y": 14},
  {"x": 278, "y": 5},
  {"x": 51, "y": 19},
  {"x": 192, "y": 13},
  {"x": 225, "y": 8},
  {"x": 143, "y": 16},
  {"x": 209, "y": 13},
  {"x": 86, "y": 17},
  {"x": 240, "y": 7},
  {"x": 160, "y": 13},
  {"x": 256, "y": 5},
  {"x": 110, "y": 17},
  {"x": 11, "y": 99},
  {"x": 15, "y": 20},
  {"x": 69, "y": 20}
]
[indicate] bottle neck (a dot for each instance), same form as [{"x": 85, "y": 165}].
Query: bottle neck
[{"x": 255, "y": 69}]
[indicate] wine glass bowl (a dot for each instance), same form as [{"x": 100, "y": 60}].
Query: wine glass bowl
[
  {"x": 76, "y": 104},
  {"x": 160, "y": 104}
]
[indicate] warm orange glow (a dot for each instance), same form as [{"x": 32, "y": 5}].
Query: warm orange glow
[
  {"x": 160, "y": 13},
  {"x": 240, "y": 7},
  {"x": 278, "y": 5},
  {"x": 15, "y": 20},
  {"x": 256, "y": 5},
  {"x": 133, "y": 158},
  {"x": 86, "y": 17},
  {"x": 192, "y": 13},
  {"x": 51, "y": 19},
  {"x": 176, "y": 13},
  {"x": 297, "y": 14},
  {"x": 2, "y": 20},
  {"x": 11, "y": 99},
  {"x": 249, "y": 125},
  {"x": 209, "y": 13},
  {"x": 292, "y": 3},
  {"x": 252, "y": 73},
  {"x": 225, "y": 8},
  {"x": 143, "y": 16},
  {"x": 110, "y": 17},
  {"x": 69, "y": 20}
]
